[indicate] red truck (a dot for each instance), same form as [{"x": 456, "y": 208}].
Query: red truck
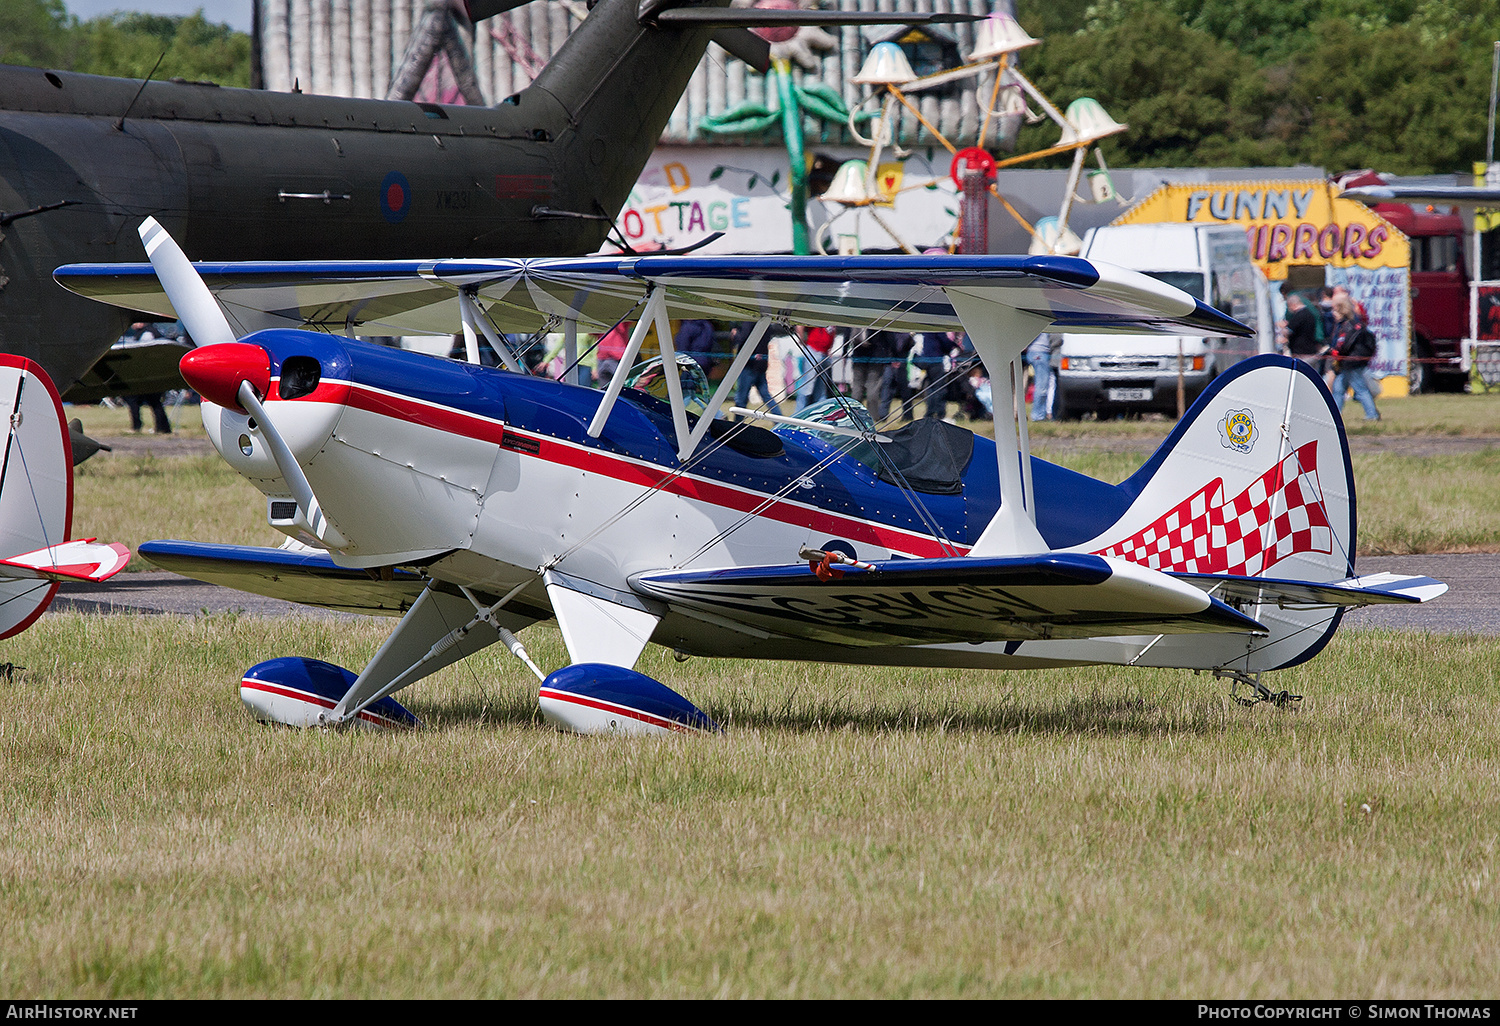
[{"x": 1439, "y": 287}]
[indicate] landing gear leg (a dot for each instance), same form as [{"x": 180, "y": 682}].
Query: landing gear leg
[
  {"x": 440, "y": 628},
  {"x": 1259, "y": 692}
]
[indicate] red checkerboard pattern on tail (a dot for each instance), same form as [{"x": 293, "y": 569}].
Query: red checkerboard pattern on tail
[{"x": 1280, "y": 514}]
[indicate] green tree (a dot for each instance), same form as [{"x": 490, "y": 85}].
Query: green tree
[
  {"x": 128, "y": 45},
  {"x": 1399, "y": 85},
  {"x": 36, "y": 33},
  {"x": 1189, "y": 98},
  {"x": 1266, "y": 30},
  {"x": 1390, "y": 99}
]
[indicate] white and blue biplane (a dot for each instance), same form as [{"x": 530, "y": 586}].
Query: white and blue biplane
[{"x": 474, "y": 501}]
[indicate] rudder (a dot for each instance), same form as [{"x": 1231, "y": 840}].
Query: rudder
[
  {"x": 1255, "y": 481},
  {"x": 36, "y": 484}
]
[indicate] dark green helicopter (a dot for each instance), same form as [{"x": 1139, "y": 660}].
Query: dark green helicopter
[{"x": 242, "y": 174}]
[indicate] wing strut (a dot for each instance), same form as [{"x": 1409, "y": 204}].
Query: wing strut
[
  {"x": 474, "y": 317},
  {"x": 654, "y": 302},
  {"x": 1000, "y": 335},
  {"x": 731, "y": 377},
  {"x": 669, "y": 369}
]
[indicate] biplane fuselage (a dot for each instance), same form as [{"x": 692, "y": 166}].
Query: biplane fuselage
[{"x": 485, "y": 479}]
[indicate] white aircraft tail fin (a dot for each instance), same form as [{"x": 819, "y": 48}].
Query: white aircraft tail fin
[
  {"x": 1254, "y": 482},
  {"x": 36, "y": 485}
]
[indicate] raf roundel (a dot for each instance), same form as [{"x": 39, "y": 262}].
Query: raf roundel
[{"x": 395, "y": 197}]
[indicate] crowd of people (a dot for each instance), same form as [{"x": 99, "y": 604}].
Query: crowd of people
[
  {"x": 1330, "y": 331},
  {"x": 888, "y": 371}
]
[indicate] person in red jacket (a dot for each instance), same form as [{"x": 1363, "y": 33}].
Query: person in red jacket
[
  {"x": 812, "y": 386},
  {"x": 1353, "y": 346}
]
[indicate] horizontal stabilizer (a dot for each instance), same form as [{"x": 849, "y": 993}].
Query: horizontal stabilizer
[
  {"x": 963, "y": 599},
  {"x": 83, "y": 560},
  {"x": 312, "y": 579},
  {"x": 1372, "y": 589}
]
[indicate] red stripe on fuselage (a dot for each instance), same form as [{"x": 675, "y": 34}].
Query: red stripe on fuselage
[
  {"x": 443, "y": 418},
  {"x": 326, "y": 392},
  {"x": 628, "y": 471}
]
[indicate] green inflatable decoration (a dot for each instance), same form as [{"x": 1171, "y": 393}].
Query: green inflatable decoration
[{"x": 816, "y": 98}]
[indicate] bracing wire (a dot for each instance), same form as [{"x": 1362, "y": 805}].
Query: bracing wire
[
  {"x": 924, "y": 514},
  {"x": 13, "y": 444}
]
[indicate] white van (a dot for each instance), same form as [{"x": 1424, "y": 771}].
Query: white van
[{"x": 1112, "y": 374}]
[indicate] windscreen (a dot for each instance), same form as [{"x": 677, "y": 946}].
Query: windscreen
[{"x": 1190, "y": 282}]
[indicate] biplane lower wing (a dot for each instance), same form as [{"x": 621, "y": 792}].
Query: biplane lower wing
[
  {"x": 960, "y": 599},
  {"x": 312, "y": 579}
]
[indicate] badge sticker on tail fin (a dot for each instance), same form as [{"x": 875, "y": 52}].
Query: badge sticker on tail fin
[{"x": 1237, "y": 431}]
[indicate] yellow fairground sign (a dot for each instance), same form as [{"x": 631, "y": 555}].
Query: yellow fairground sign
[{"x": 1286, "y": 223}]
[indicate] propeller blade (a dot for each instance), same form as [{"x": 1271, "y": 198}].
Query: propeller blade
[
  {"x": 197, "y": 308},
  {"x": 291, "y": 470}
]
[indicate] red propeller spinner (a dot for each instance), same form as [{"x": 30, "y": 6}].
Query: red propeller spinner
[{"x": 215, "y": 371}]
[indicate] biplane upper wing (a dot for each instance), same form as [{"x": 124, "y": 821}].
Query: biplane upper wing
[
  {"x": 1467, "y": 196},
  {"x": 960, "y": 599},
  {"x": 898, "y": 293}
]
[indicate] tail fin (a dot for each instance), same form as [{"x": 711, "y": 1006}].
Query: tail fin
[
  {"x": 36, "y": 484},
  {"x": 1254, "y": 482},
  {"x": 617, "y": 83}
]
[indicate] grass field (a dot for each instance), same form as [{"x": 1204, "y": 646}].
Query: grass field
[
  {"x": 192, "y": 497},
  {"x": 856, "y": 832},
  {"x": 113, "y": 421}
]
